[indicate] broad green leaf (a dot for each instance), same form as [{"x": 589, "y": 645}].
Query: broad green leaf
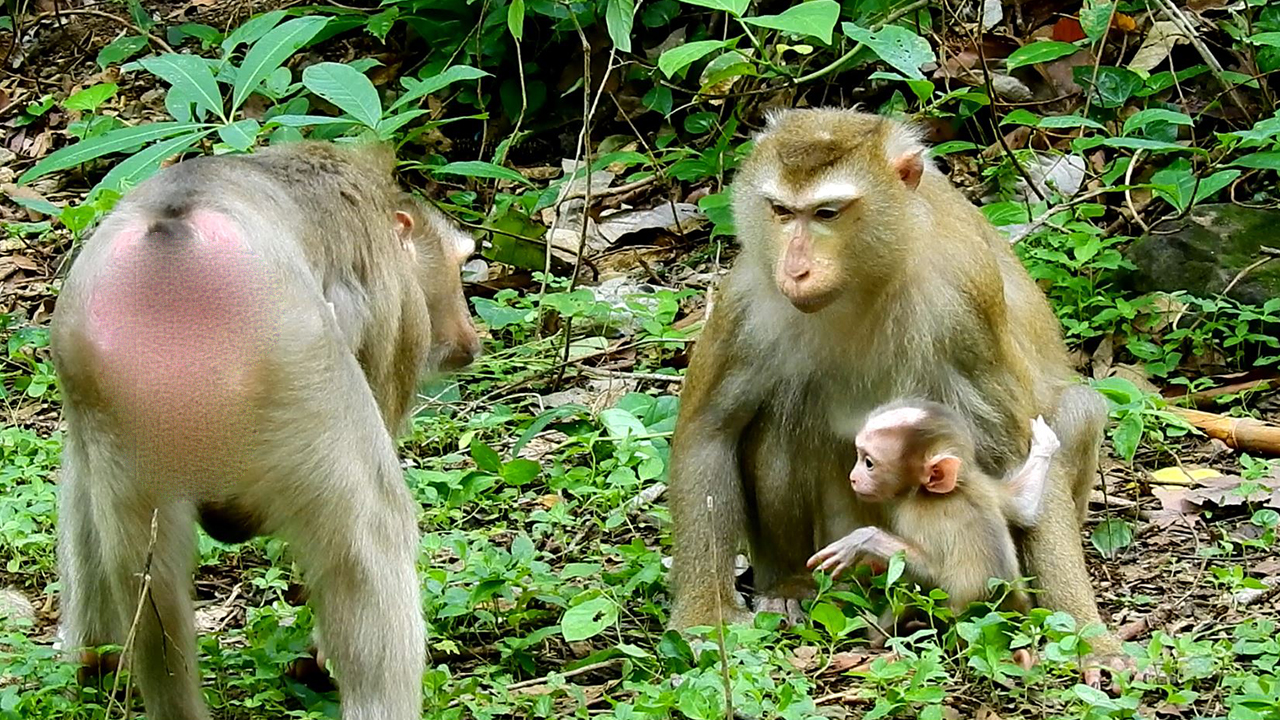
[
  {"x": 206, "y": 34},
  {"x": 88, "y": 99},
  {"x": 1020, "y": 116},
  {"x": 1038, "y": 52},
  {"x": 1114, "y": 86},
  {"x": 253, "y": 29},
  {"x": 190, "y": 75},
  {"x": 144, "y": 163},
  {"x": 1260, "y": 161},
  {"x": 733, "y": 7},
  {"x": 309, "y": 120},
  {"x": 482, "y": 169},
  {"x": 676, "y": 59},
  {"x": 379, "y": 25},
  {"x": 1271, "y": 39},
  {"x": 897, "y": 565},
  {"x": 271, "y": 51},
  {"x": 898, "y": 46},
  {"x": 121, "y": 49},
  {"x": 1126, "y": 436},
  {"x": 1130, "y": 143},
  {"x": 347, "y": 88},
  {"x": 816, "y": 18},
  {"x": 486, "y": 457},
  {"x": 515, "y": 19},
  {"x": 1095, "y": 18},
  {"x": 951, "y": 146},
  {"x": 1143, "y": 118},
  {"x": 829, "y": 617},
  {"x": 619, "y": 15},
  {"x": 1112, "y": 536},
  {"x": 240, "y": 134},
  {"x": 588, "y": 619},
  {"x": 390, "y": 124},
  {"x": 1069, "y": 121},
  {"x": 415, "y": 89},
  {"x": 114, "y": 141}
]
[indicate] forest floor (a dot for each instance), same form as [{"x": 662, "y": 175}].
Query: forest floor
[{"x": 540, "y": 469}]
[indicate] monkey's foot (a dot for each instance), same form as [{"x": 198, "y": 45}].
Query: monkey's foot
[
  {"x": 312, "y": 671},
  {"x": 94, "y": 667},
  {"x": 788, "y": 607}
]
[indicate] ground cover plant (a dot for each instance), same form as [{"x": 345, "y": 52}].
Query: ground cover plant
[{"x": 1129, "y": 149}]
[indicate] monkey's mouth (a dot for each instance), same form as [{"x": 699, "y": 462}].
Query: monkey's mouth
[{"x": 810, "y": 303}]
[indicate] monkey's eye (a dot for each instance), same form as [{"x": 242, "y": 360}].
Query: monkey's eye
[
  {"x": 826, "y": 214},
  {"x": 871, "y": 464},
  {"x": 781, "y": 212}
]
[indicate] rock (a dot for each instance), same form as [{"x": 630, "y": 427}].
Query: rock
[
  {"x": 1204, "y": 251},
  {"x": 15, "y": 608}
]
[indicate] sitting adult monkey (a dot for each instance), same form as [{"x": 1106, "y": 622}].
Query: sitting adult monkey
[
  {"x": 864, "y": 276},
  {"x": 237, "y": 345}
]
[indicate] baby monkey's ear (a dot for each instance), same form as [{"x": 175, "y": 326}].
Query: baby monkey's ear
[{"x": 940, "y": 473}]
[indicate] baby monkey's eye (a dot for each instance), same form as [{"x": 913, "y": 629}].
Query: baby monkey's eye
[
  {"x": 870, "y": 463},
  {"x": 826, "y": 213},
  {"x": 781, "y": 212}
]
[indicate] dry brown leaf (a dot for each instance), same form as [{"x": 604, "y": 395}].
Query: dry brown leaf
[
  {"x": 1226, "y": 491},
  {"x": 803, "y": 658},
  {"x": 846, "y": 661}
]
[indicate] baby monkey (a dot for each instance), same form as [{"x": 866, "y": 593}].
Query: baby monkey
[{"x": 916, "y": 458}]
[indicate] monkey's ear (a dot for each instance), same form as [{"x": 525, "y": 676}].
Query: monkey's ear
[
  {"x": 941, "y": 472},
  {"x": 404, "y": 223},
  {"x": 910, "y": 166}
]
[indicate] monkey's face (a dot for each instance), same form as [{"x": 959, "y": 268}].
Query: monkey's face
[
  {"x": 817, "y": 200},
  {"x": 878, "y": 474},
  {"x": 440, "y": 249}
]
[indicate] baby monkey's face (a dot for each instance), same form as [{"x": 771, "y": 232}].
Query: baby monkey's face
[{"x": 882, "y": 472}]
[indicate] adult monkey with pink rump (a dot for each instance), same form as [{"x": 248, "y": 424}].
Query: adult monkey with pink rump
[
  {"x": 236, "y": 345},
  {"x": 864, "y": 277}
]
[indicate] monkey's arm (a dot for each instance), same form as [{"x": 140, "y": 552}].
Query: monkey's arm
[
  {"x": 708, "y": 507},
  {"x": 868, "y": 543},
  {"x": 1025, "y": 489}
]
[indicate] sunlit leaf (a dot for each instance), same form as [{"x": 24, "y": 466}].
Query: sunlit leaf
[
  {"x": 347, "y": 88},
  {"x": 271, "y": 51},
  {"x": 481, "y": 169},
  {"x": 121, "y": 49},
  {"x": 114, "y": 141},
  {"x": 88, "y": 99},
  {"x": 144, "y": 163},
  {"x": 733, "y": 7},
  {"x": 189, "y": 75},
  {"x": 1038, "y": 52},
  {"x": 676, "y": 59},
  {"x": 588, "y": 619},
  {"x": 619, "y": 17},
  {"x": 415, "y": 89},
  {"x": 899, "y": 47},
  {"x": 816, "y": 18},
  {"x": 1112, "y": 536}
]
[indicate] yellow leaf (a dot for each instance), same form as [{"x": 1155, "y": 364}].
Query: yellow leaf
[{"x": 1179, "y": 476}]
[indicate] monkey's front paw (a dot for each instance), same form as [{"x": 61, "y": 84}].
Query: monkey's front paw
[
  {"x": 788, "y": 608},
  {"x": 1097, "y": 667}
]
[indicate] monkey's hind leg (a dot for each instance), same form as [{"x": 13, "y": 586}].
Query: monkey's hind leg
[
  {"x": 90, "y": 610},
  {"x": 355, "y": 535},
  {"x": 163, "y": 662}
]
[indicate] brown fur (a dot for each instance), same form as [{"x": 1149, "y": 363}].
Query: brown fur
[
  {"x": 918, "y": 296},
  {"x": 322, "y": 293}
]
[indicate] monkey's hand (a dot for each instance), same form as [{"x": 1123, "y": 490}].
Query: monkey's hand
[
  {"x": 864, "y": 544},
  {"x": 1044, "y": 441}
]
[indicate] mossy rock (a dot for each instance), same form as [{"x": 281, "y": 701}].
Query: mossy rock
[{"x": 1204, "y": 251}]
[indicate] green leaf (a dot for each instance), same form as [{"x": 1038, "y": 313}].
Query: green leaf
[
  {"x": 88, "y": 99},
  {"x": 309, "y": 120},
  {"x": 676, "y": 59},
  {"x": 515, "y": 19},
  {"x": 815, "y": 18},
  {"x": 897, "y": 565},
  {"x": 1126, "y": 436},
  {"x": 482, "y": 169},
  {"x": 270, "y": 53},
  {"x": 121, "y": 49},
  {"x": 347, "y": 88},
  {"x": 1112, "y": 536},
  {"x": 379, "y": 25},
  {"x": 486, "y": 457},
  {"x": 189, "y": 75},
  {"x": 1021, "y": 117},
  {"x": 829, "y": 617},
  {"x": 1267, "y": 38},
  {"x": 1114, "y": 85},
  {"x": 588, "y": 619},
  {"x": 951, "y": 146},
  {"x": 240, "y": 134},
  {"x": 253, "y": 29},
  {"x": 1069, "y": 121},
  {"x": 1095, "y": 18},
  {"x": 144, "y": 163},
  {"x": 1260, "y": 161},
  {"x": 1038, "y": 52},
  {"x": 733, "y": 7},
  {"x": 415, "y": 89},
  {"x": 114, "y": 141},
  {"x": 1131, "y": 143},
  {"x": 1143, "y": 118},
  {"x": 899, "y": 47},
  {"x": 619, "y": 15}
]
